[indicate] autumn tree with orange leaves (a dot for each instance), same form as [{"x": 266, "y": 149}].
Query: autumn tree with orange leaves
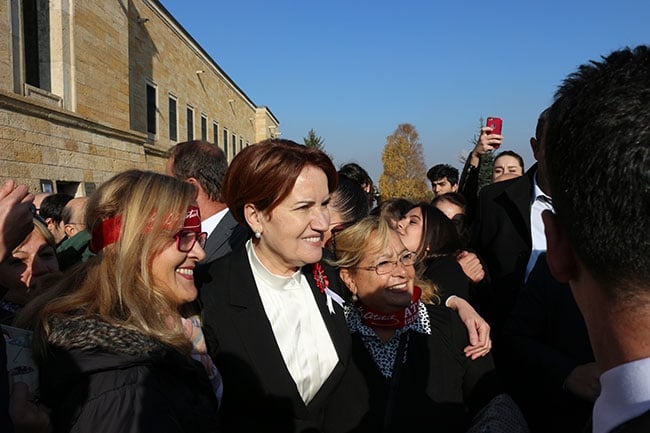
[{"x": 405, "y": 172}]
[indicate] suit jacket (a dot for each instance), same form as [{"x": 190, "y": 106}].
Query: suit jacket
[
  {"x": 501, "y": 234},
  {"x": 259, "y": 392},
  {"x": 544, "y": 339},
  {"x": 225, "y": 237},
  {"x": 640, "y": 424}
]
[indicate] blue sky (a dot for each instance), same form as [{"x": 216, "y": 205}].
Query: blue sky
[{"x": 354, "y": 70}]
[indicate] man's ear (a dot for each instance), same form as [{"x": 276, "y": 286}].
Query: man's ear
[
  {"x": 559, "y": 252},
  {"x": 534, "y": 146},
  {"x": 68, "y": 229},
  {"x": 254, "y": 217}
]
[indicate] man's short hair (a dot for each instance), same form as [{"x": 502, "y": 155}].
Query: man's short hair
[
  {"x": 52, "y": 206},
  {"x": 440, "y": 171},
  {"x": 598, "y": 159},
  {"x": 203, "y": 161}
]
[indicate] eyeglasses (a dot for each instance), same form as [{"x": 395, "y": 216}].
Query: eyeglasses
[
  {"x": 36, "y": 215},
  {"x": 185, "y": 240},
  {"x": 388, "y": 266}
]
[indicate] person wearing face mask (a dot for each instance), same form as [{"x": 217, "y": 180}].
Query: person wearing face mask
[
  {"x": 113, "y": 350},
  {"x": 31, "y": 268},
  {"x": 271, "y": 315},
  {"x": 410, "y": 353}
]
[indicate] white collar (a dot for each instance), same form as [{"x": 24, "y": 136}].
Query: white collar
[
  {"x": 625, "y": 394},
  {"x": 262, "y": 273},
  {"x": 537, "y": 191}
]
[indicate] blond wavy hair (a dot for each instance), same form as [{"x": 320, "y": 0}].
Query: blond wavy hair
[
  {"x": 116, "y": 286},
  {"x": 371, "y": 235}
]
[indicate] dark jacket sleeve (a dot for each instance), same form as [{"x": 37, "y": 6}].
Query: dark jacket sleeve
[{"x": 5, "y": 424}]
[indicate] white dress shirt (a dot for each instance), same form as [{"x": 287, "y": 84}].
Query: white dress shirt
[
  {"x": 209, "y": 224},
  {"x": 624, "y": 394},
  {"x": 299, "y": 329},
  {"x": 539, "y": 203}
]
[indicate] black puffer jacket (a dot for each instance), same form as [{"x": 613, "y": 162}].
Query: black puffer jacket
[{"x": 103, "y": 378}]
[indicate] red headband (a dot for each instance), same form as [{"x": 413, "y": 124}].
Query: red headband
[
  {"x": 105, "y": 233},
  {"x": 108, "y": 231}
]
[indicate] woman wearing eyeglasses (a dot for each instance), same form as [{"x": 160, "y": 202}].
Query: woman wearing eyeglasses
[
  {"x": 410, "y": 353},
  {"x": 112, "y": 348}
]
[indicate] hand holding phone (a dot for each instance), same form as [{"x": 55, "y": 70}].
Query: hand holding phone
[{"x": 495, "y": 123}]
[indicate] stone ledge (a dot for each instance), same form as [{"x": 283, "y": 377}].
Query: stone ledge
[{"x": 31, "y": 107}]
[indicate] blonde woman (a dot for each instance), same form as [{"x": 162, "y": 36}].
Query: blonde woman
[
  {"x": 416, "y": 377},
  {"x": 109, "y": 339}
]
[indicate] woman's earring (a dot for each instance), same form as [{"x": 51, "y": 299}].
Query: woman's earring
[
  {"x": 258, "y": 234},
  {"x": 354, "y": 297}
]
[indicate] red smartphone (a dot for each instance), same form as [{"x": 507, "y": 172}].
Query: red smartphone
[{"x": 495, "y": 123}]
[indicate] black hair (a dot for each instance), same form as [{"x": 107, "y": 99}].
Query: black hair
[
  {"x": 52, "y": 206},
  {"x": 440, "y": 171},
  {"x": 598, "y": 158}
]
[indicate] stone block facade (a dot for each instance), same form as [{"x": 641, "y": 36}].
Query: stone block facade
[{"x": 96, "y": 92}]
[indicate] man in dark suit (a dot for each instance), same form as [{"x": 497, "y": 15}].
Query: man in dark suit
[
  {"x": 598, "y": 160},
  {"x": 508, "y": 234},
  {"x": 549, "y": 364},
  {"x": 204, "y": 165}
]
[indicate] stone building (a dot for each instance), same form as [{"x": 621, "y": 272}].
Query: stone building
[{"x": 91, "y": 88}]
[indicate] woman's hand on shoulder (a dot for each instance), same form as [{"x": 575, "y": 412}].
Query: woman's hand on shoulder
[{"x": 478, "y": 329}]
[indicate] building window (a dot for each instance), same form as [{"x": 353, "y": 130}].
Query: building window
[
  {"x": 190, "y": 123},
  {"x": 204, "y": 127},
  {"x": 215, "y": 133},
  {"x": 151, "y": 109},
  {"x": 34, "y": 25},
  {"x": 233, "y": 143},
  {"x": 47, "y": 185},
  {"x": 225, "y": 142},
  {"x": 173, "y": 119},
  {"x": 241, "y": 143}
]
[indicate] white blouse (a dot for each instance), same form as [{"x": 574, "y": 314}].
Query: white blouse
[{"x": 299, "y": 329}]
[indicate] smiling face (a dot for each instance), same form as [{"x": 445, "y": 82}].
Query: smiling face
[
  {"x": 390, "y": 292},
  {"x": 410, "y": 229},
  {"x": 173, "y": 271},
  {"x": 291, "y": 234},
  {"x": 33, "y": 259}
]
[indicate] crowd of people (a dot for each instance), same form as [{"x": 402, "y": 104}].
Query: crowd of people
[{"x": 277, "y": 294}]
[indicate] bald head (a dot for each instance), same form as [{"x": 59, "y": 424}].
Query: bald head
[{"x": 74, "y": 216}]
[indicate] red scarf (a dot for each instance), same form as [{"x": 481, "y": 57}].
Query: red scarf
[{"x": 378, "y": 319}]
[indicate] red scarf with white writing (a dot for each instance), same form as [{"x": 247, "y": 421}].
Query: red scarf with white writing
[{"x": 379, "y": 319}]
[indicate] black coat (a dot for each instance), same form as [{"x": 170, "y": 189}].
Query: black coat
[
  {"x": 439, "y": 389},
  {"x": 259, "y": 392},
  {"x": 4, "y": 389},
  {"x": 501, "y": 234},
  {"x": 101, "y": 378}
]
